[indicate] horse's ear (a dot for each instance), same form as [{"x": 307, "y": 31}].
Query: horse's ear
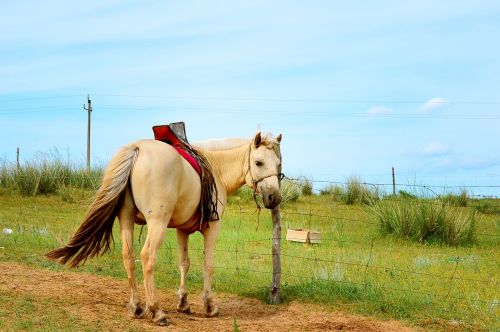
[
  {"x": 279, "y": 138},
  {"x": 257, "y": 141}
]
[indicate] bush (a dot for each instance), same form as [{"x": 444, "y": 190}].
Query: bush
[
  {"x": 426, "y": 221},
  {"x": 356, "y": 192},
  {"x": 460, "y": 199}
]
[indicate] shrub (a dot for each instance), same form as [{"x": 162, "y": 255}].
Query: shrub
[
  {"x": 356, "y": 192},
  {"x": 426, "y": 221}
]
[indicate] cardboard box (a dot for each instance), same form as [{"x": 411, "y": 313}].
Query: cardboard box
[{"x": 303, "y": 235}]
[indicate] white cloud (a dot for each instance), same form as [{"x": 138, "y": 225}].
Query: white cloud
[
  {"x": 434, "y": 104},
  {"x": 378, "y": 110},
  {"x": 435, "y": 149}
]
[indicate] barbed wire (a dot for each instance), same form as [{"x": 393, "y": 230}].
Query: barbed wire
[{"x": 303, "y": 182}]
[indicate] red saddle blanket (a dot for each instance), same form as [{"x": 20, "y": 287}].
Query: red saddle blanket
[{"x": 165, "y": 134}]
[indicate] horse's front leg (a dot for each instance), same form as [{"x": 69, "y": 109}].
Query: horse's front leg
[
  {"x": 210, "y": 234},
  {"x": 182, "y": 246}
]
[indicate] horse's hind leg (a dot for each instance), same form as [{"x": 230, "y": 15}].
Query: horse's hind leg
[
  {"x": 156, "y": 233},
  {"x": 126, "y": 217},
  {"x": 182, "y": 245}
]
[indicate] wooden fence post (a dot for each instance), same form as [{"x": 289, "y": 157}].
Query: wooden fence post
[
  {"x": 17, "y": 158},
  {"x": 393, "y": 182},
  {"x": 274, "y": 296}
]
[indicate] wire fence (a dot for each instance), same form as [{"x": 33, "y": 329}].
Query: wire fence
[{"x": 362, "y": 262}]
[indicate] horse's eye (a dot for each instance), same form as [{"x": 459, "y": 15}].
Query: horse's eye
[{"x": 259, "y": 163}]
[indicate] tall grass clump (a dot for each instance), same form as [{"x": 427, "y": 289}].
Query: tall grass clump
[
  {"x": 47, "y": 173},
  {"x": 403, "y": 194},
  {"x": 335, "y": 191},
  {"x": 6, "y": 174},
  {"x": 460, "y": 199},
  {"x": 307, "y": 187},
  {"x": 357, "y": 192},
  {"x": 290, "y": 191},
  {"x": 427, "y": 221},
  {"x": 486, "y": 206},
  {"x": 37, "y": 177}
]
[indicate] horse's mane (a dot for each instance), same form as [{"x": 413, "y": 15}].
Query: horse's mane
[{"x": 220, "y": 144}]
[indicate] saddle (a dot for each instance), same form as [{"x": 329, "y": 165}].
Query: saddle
[{"x": 174, "y": 134}]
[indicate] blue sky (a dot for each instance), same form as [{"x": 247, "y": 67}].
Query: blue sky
[{"x": 355, "y": 87}]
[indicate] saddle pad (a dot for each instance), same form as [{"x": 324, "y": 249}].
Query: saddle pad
[{"x": 164, "y": 133}]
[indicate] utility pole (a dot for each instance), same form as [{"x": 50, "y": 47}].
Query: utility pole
[
  {"x": 89, "y": 110},
  {"x": 17, "y": 159}
]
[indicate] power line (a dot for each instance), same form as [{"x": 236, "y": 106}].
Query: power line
[
  {"x": 189, "y": 109},
  {"x": 310, "y": 100}
]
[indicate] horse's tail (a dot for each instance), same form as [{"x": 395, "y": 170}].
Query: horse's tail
[{"x": 94, "y": 235}]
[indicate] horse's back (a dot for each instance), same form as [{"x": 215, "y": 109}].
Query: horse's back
[{"x": 164, "y": 184}]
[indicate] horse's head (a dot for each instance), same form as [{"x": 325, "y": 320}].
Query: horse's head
[{"x": 264, "y": 169}]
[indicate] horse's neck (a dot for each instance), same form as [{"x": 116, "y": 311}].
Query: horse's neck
[{"x": 230, "y": 166}]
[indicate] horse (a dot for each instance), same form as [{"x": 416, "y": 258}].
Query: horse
[{"x": 149, "y": 181}]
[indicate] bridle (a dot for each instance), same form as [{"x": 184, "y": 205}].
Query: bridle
[{"x": 279, "y": 175}]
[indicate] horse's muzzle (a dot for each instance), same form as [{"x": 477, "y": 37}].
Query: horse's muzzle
[{"x": 271, "y": 200}]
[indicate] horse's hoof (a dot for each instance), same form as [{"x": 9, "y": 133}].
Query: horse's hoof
[
  {"x": 157, "y": 316},
  {"x": 136, "y": 310},
  {"x": 163, "y": 321},
  {"x": 213, "y": 311},
  {"x": 183, "y": 305},
  {"x": 185, "y": 309}
]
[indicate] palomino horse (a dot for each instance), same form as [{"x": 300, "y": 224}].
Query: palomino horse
[{"x": 149, "y": 180}]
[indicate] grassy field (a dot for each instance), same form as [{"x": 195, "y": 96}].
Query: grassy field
[{"x": 355, "y": 268}]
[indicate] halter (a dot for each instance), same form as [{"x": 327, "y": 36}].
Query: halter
[{"x": 279, "y": 175}]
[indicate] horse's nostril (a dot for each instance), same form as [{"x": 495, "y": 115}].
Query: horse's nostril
[{"x": 270, "y": 197}]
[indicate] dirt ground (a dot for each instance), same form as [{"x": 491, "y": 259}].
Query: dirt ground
[{"x": 95, "y": 297}]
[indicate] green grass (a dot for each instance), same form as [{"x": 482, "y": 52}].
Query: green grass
[
  {"x": 355, "y": 268},
  {"x": 426, "y": 220}
]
